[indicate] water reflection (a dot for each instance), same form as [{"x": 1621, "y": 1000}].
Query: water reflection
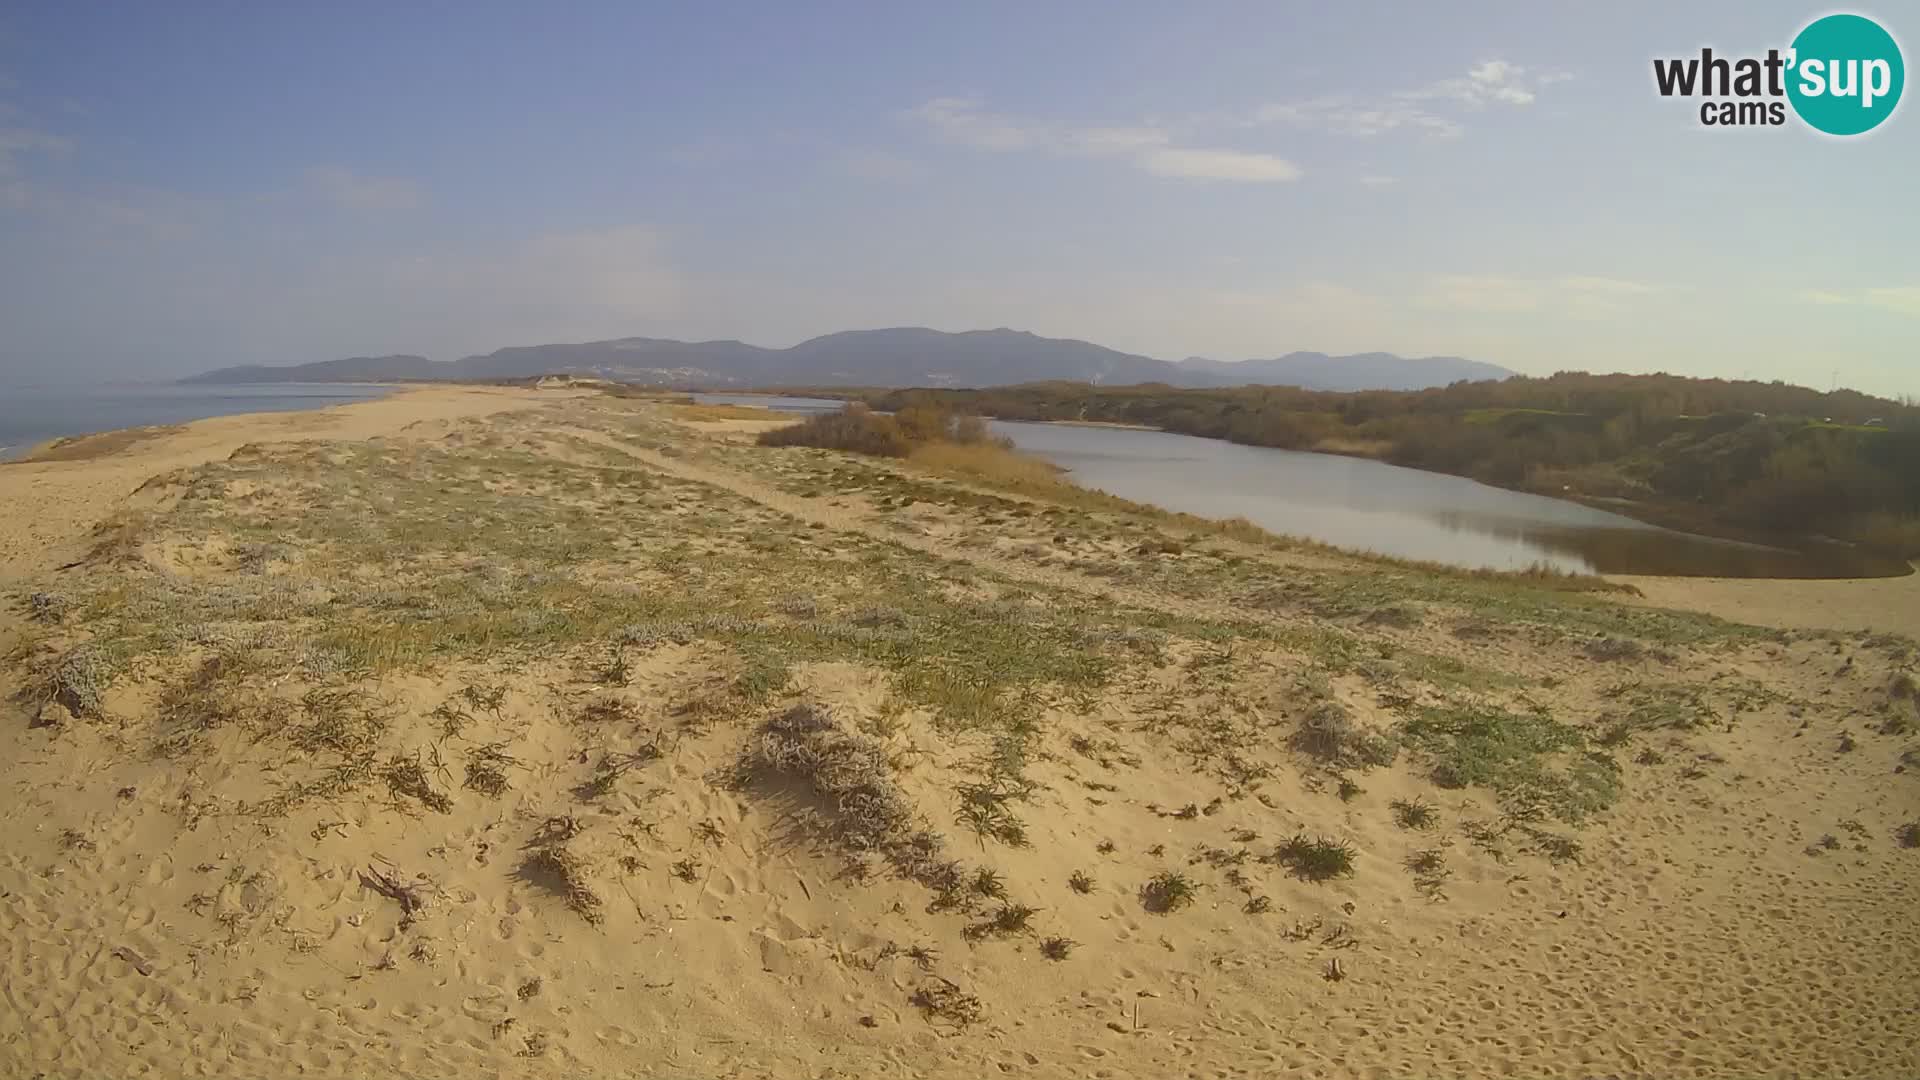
[{"x": 1370, "y": 506}]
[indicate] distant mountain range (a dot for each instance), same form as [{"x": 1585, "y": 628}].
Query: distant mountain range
[{"x": 892, "y": 358}]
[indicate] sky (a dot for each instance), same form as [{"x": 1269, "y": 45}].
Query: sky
[{"x": 186, "y": 186}]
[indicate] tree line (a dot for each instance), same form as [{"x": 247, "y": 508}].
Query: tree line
[{"x": 1745, "y": 456}]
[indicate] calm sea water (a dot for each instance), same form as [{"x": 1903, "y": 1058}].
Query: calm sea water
[
  {"x": 1370, "y": 506},
  {"x": 30, "y": 415}
]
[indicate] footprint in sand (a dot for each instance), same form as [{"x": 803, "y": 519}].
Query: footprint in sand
[
  {"x": 487, "y": 1007},
  {"x": 618, "y": 1036}
]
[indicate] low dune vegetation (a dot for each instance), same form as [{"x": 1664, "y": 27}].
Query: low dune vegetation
[
  {"x": 861, "y": 430},
  {"x": 566, "y": 739}
]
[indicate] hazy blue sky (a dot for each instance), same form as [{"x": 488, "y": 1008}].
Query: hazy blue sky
[{"x": 189, "y": 185}]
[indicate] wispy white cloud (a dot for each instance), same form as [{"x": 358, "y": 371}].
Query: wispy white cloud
[
  {"x": 1433, "y": 110},
  {"x": 1606, "y": 286},
  {"x": 1478, "y": 293},
  {"x": 1495, "y": 82},
  {"x": 966, "y": 122},
  {"x": 1343, "y": 114},
  {"x": 1900, "y": 299},
  {"x": 1231, "y": 165},
  {"x": 1583, "y": 296},
  {"x": 354, "y": 191},
  {"x": 1119, "y": 140}
]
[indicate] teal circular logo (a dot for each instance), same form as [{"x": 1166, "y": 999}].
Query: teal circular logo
[{"x": 1845, "y": 75}]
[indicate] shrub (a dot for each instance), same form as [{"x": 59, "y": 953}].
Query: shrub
[
  {"x": 566, "y": 873},
  {"x": 1168, "y": 891},
  {"x": 862, "y": 431},
  {"x": 851, "y": 773},
  {"x": 924, "y": 423},
  {"x": 1414, "y": 814},
  {"x": 1328, "y": 733},
  {"x": 1429, "y": 869},
  {"x": 855, "y": 428},
  {"x": 1009, "y": 919},
  {"x": 970, "y": 431},
  {"x": 1615, "y": 649},
  {"x": 1057, "y": 948},
  {"x": 79, "y": 680},
  {"x": 943, "y": 1000},
  {"x": 989, "y": 884},
  {"x": 47, "y": 607},
  {"x": 1317, "y": 859}
]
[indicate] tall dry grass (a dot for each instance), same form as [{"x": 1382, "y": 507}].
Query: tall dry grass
[
  {"x": 993, "y": 463},
  {"x": 703, "y": 414},
  {"x": 1887, "y": 531}
]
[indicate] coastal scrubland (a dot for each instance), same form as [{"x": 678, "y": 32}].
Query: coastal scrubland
[
  {"x": 593, "y": 737},
  {"x": 1708, "y": 454}
]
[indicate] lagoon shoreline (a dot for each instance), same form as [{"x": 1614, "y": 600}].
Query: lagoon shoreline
[{"x": 549, "y": 732}]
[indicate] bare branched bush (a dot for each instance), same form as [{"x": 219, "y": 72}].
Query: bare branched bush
[
  {"x": 570, "y": 875},
  {"x": 1328, "y": 733},
  {"x": 852, "y": 774},
  {"x": 46, "y": 607},
  {"x": 407, "y": 776},
  {"x": 854, "y": 428},
  {"x": 944, "y": 1000},
  {"x": 78, "y": 680},
  {"x": 1615, "y": 649}
]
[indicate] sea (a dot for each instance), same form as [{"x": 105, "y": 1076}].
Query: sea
[{"x": 31, "y": 414}]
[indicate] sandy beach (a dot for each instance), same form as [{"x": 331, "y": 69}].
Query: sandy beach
[
  {"x": 491, "y": 732},
  {"x": 1870, "y": 604},
  {"x": 52, "y": 503}
]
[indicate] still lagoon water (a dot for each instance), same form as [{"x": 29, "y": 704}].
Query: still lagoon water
[{"x": 1372, "y": 506}]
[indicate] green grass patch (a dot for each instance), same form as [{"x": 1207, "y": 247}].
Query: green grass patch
[{"x": 1530, "y": 760}]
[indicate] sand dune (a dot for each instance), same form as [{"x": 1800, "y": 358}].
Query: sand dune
[
  {"x": 1891, "y": 605},
  {"x": 456, "y": 734},
  {"x": 54, "y": 498}
]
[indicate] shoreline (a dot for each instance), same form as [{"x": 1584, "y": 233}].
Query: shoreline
[
  {"x": 124, "y": 442},
  {"x": 1113, "y": 424},
  {"x": 23, "y": 452},
  {"x": 55, "y": 504},
  {"x": 523, "y": 725},
  {"x": 1671, "y": 518},
  {"x": 1860, "y": 605}
]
